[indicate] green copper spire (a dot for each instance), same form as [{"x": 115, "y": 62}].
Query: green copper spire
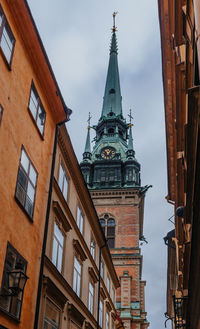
[
  {"x": 130, "y": 153},
  {"x": 112, "y": 102},
  {"x": 87, "y": 152},
  {"x": 87, "y": 144},
  {"x": 130, "y": 139}
]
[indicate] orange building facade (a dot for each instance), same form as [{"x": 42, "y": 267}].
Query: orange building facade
[{"x": 30, "y": 107}]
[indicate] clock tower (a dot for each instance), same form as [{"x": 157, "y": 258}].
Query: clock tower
[{"x": 112, "y": 174}]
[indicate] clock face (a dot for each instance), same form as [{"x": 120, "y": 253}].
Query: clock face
[{"x": 108, "y": 153}]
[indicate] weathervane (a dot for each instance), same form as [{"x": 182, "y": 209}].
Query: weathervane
[
  {"x": 89, "y": 118},
  {"x": 130, "y": 116},
  {"x": 114, "y": 27}
]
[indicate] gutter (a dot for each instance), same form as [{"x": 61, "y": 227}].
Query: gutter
[{"x": 39, "y": 290}]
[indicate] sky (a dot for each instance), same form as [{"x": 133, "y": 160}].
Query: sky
[{"x": 76, "y": 35}]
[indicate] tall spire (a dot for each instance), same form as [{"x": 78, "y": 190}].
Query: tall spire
[
  {"x": 87, "y": 152},
  {"x": 112, "y": 102}
]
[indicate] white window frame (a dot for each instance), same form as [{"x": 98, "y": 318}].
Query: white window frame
[
  {"x": 101, "y": 313},
  {"x": 107, "y": 320},
  {"x": 36, "y": 108},
  {"x": 58, "y": 247},
  {"x": 92, "y": 248},
  {"x": 26, "y": 183},
  {"x": 7, "y": 40},
  {"x": 63, "y": 181},
  {"x": 102, "y": 269},
  {"x": 108, "y": 283},
  {"x": 91, "y": 298},
  {"x": 80, "y": 219},
  {"x": 113, "y": 295},
  {"x": 77, "y": 276}
]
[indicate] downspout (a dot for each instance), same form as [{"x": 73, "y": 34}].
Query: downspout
[
  {"x": 99, "y": 283},
  {"x": 37, "y": 308}
]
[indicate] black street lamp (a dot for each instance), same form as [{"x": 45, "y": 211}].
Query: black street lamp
[{"x": 16, "y": 280}]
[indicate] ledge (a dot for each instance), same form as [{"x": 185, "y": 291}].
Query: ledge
[
  {"x": 59, "y": 212},
  {"x": 79, "y": 250}
]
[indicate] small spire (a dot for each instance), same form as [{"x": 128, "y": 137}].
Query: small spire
[
  {"x": 89, "y": 118},
  {"x": 130, "y": 117},
  {"x": 130, "y": 138},
  {"x": 130, "y": 152},
  {"x": 87, "y": 152}
]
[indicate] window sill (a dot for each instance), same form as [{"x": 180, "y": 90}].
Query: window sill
[
  {"x": 23, "y": 209},
  {"x": 9, "y": 315},
  {"x": 35, "y": 124}
]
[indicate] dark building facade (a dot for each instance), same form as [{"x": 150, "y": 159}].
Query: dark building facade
[{"x": 180, "y": 43}]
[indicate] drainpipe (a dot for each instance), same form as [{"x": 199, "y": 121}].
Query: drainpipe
[
  {"x": 37, "y": 308},
  {"x": 99, "y": 283}
]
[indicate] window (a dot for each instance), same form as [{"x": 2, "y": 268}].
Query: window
[
  {"x": 108, "y": 226},
  {"x": 63, "y": 181},
  {"x": 113, "y": 295},
  {"x": 102, "y": 269},
  {"x": 26, "y": 184},
  {"x": 77, "y": 277},
  {"x": 1, "y": 113},
  {"x": 7, "y": 40},
  {"x": 103, "y": 176},
  {"x": 80, "y": 219},
  {"x": 107, "y": 320},
  {"x": 92, "y": 248},
  {"x": 130, "y": 175},
  {"x": 52, "y": 316},
  {"x": 37, "y": 109},
  {"x": 58, "y": 244},
  {"x": 108, "y": 284},
  {"x": 11, "y": 304},
  {"x": 101, "y": 313},
  {"x": 91, "y": 297}
]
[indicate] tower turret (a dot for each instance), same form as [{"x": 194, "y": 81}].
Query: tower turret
[{"x": 112, "y": 174}]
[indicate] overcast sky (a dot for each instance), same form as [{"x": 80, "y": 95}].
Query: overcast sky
[{"x": 76, "y": 35}]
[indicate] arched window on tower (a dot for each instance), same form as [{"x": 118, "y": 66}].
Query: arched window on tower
[{"x": 108, "y": 226}]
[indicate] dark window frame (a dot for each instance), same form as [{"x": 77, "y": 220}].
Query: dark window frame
[
  {"x": 38, "y": 106},
  {"x": 5, "y": 25},
  {"x": 22, "y": 169},
  {"x": 4, "y": 287},
  {"x": 110, "y": 236}
]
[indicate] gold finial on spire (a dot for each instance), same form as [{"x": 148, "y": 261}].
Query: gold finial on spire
[
  {"x": 114, "y": 29},
  {"x": 130, "y": 117},
  {"x": 89, "y": 118}
]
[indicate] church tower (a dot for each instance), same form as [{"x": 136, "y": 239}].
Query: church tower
[{"x": 112, "y": 174}]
